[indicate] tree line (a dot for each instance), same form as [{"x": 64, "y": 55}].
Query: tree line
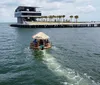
[{"x": 57, "y": 18}]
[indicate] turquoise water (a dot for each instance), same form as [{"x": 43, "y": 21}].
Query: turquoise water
[{"x": 74, "y": 58}]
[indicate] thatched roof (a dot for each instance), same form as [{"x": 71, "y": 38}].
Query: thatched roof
[{"x": 40, "y": 35}]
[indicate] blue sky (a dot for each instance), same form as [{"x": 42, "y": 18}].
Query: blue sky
[{"x": 88, "y": 10}]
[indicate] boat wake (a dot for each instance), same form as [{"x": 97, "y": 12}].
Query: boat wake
[{"x": 71, "y": 77}]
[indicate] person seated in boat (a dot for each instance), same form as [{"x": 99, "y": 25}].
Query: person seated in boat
[
  {"x": 35, "y": 42},
  {"x": 41, "y": 45},
  {"x": 46, "y": 42}
]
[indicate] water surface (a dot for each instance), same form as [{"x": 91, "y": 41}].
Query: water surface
[{"x": 74, "y": 58}]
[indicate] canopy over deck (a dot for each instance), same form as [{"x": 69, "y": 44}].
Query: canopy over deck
[{"x": 40, "y": 35}]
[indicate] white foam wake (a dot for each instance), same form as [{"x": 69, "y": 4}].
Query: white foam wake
[{"x": 72, "y": 78}]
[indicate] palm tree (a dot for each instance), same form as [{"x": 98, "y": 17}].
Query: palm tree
[
  {"x": 45, "y": 17},
  {"x": 71, "y": 17},
  {"x": 60, "y": 16},
  {"x": 39, "y": 19},
  {"x": 53, "y": 18},
  {"x": 57, "y": 18},
  {"x": 50, "y": 18},
  {"x": 76, "y": 17},
  {"x": 42, "y": 18},
  {"x": 63, "y": 16}
]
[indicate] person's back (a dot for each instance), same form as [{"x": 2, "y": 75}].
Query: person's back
[
  {"x": 47, "y": 41},
  {"x": 41, "y": 42},
  {"x": 41, "y": 45},
  {"x": 35, "y": 42}
]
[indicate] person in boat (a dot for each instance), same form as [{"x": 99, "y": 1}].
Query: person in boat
[
  {"x": 41, "y": 45},
  {"x": 35, "y": 42},
  {"x": 46, "y": 42}
]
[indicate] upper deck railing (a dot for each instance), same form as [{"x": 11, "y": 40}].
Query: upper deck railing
[{"x": 28, "y": 12}]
